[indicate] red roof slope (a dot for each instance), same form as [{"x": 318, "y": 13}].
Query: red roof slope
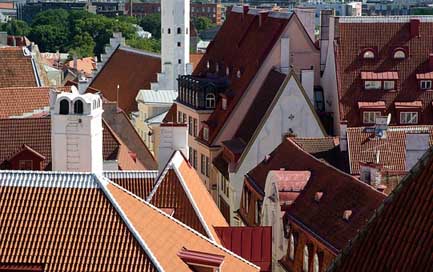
[
  {"x": 17, "y": 101},
  {"x": 399, "y": 237},
  {"x": 132, "y": 70},
  {"x": 251, "y": 243},
  {"x": 36, "y": 133},
  {"x": 140, "y": 183},
  {"x": 16, "y": 69},
  {"x": 340, "y": 192},
  {"x": 64, "y": 228},
  {"x": 363, "y": 147},
  {"x": 384, "y": 38},
  {"x": 242, "y": 44}
]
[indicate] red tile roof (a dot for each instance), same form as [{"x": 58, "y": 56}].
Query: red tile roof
[
  {"x": 132, "y": 70},
  {"x": 251, "y": 243},
  {"x": 16, "y": 101},
  {"x": 399, "y": 236},
  {"x": 354, "y": 36},
  {"x": 379, "y": 76},
  {"x": 7, "y": 5},
  {"x": 428, "y": 75},
  {"x": 242, "y": 44},
  {"x": 84, "y": 65},
  {"x": 119, "y": 122},
  {"x": 140, "y": 183},
  {"x": 180, "y": 188},
  {"x": 372, "y": 105},
  {"x": 36, "y": 133},
  {"x": 363, "y": 147},
  {"x": 64, "y": 228},
  {"x": 340, "y": 192},
  {"x": 410, "y": 105},
  {"x": 16, "y": 69}
]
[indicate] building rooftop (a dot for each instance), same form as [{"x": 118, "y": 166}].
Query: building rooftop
[
  {"x": 383, "y": 36},
  {"x": 398, "y": 236},
  {"x": 156, "y": 96},
  {"x": 127, "y": 233},
  {"x": 18, "y": 68}
]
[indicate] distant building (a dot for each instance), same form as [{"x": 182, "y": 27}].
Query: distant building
[{"x": 208, "y": 10}]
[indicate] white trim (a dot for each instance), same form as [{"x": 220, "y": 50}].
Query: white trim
[
  {"x": 186, "y": 226},
  {"x": 103, "y": 182},
  {"x": 383, "y": 19},
  {"x": 131, "y": 174},
  {"x": 138, "y": 51}
]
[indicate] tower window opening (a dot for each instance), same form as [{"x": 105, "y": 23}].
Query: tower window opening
[
  {"x": 64, "y": 106},
  {"x": 78, "y": 107},
  {"x": 179, "y": 30},
  {"x": 169, "y": 31}
]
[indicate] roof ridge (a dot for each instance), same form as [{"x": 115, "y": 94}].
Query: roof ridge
[
  {"x": 183, "y": 225},
  {"x": 413, "y": 173}
]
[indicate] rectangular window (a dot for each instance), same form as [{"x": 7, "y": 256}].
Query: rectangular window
[
  {"x": 183, "y": 118},
  {"x": 202, "y": 164},
  {"x": 372, "y": 85},
  {"x": 206, "y": 166},
  {"x": 190, "y": 125},
  {"x": 425, "y": 84},
  {"x": 190, "y": 155},
  {"x": 194, "y": 162},
  {"x": 369, "y": 117},
  {"x": 408, "y": 117},
  {"x": 195, "y": 127},
  {"x": 205, "y": 133},
  {"x": 258, "y": 218},
  {"x": 179, "y": 117},
  {"x": 25, "y": 165},
  {"x": 389, "y": 85}
]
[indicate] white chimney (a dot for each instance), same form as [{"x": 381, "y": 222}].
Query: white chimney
[
  {"x": 307, "y": 80},
  {"x": 416, "y": 145},
  {"x": 343, "y": 136},
  {"x": 173, "y": 137},
  {"x": 285, "y": 55},
  {"x": 76, "y": 132}
]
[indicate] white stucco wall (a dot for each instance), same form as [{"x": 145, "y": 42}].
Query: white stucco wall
[{"x": 292, "y": 102}]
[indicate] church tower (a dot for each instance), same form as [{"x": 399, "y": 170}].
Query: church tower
[
  {"x": 175, "y": 43},
  {"x": 76, "y": 132}
]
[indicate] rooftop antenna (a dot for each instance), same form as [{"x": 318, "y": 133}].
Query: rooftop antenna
[{"x": 117, "y": 96}]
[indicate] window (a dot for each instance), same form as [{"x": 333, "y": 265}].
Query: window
[
  {"x": 224, "y": 103},
  {"x": 178, "y": 44},
  {"x": 194, "y": 156},
  {"x": 190, "y": 125},
  {"x": 179, "y": 30},
  {"x": 25, "y": 165},
  {"x": 368, "y": 54},
  {"x": 206, "y": 134},
  {"x": 389, "y": 85},
  {"x": 246, "y": 199},
  {"x": 78, "y": 107},
  {"x": 224, "y": 186},
  {"x": 292, "y": 247},
  {"x": 194, "y": 127},
  {"x": 305, "y": 263},
  {"x": 369, "y": 117},
  {"x": 202, "y": 164},
  {"x": 179, "y": 117},
  {"x": 206, "y": 166},
  {"x": 319, "y": 101},
  {"x": 258, "y": 218},
  {"x": 399, "y": 54},
  {"x": 64, "y": 106},
  {"x": 190, "y": 155},
  {"x": 179, "y": 61},
  {"x": 425, "y": 84},
  {"x": 210, "y": 101},
  {"x": 316, "y": 264},
  {"x": 408, "y": 117},
  {"x": 183, "y": 118},
  {"x": 169, "y": 31},
  {"x": 372, "y": 85}
]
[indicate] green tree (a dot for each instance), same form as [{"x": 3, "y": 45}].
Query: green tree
[
  {"x": 202, "y": 23},
  {"x": 152, "y": 24},
  {"x": 82, "y": 45},
  {"x": 16, "y": 27},
  {"x": 54, "y": 17},
  {"x": 152, "y": 45},
  {"x": 49, "y": 38}
]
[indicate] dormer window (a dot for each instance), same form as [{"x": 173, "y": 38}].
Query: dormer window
[
  {"x": 64, "y": 107},
  {"x": 205, "y": 133},
  {"x": 368, "y": 54},
  {"x": 399, "y": 54},
  {"x": 425, "y": 84},
  {"x": 388, "y": 85},
  {"x": 78, "y": 107},
  {"x": 373, "y": 85},
  {"x": 210, "y": 101}
]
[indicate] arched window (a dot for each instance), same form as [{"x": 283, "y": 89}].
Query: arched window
[
  {"x": 316, "y": 265},
  {"x": 179, "y": 30},
  {"x": 306, "y": 257},
  {"x": 368, "y": 54},
  {"x": 64, "y": 106},
  {"x": 210, "y": 100},
  {"x": 399, "y": 54},
  {"x": 78, "y": 107},
  {"x": 292, "y": 247}
]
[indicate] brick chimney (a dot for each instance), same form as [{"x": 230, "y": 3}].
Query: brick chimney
[
  {"x": 414, "y": 28},
  {"x": 430, "y": 61}
]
